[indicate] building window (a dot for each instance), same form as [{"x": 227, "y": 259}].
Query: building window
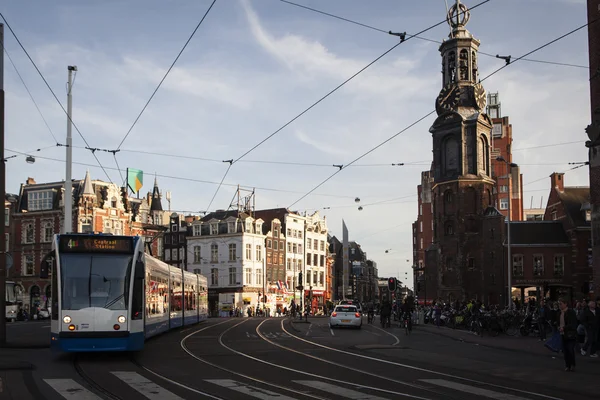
[
  {"x": 315, "y": 244},
  {"x": 554, "y": 216},
  {"x": 322, "y": 261},
  {"x": 588, "y": 215},
  {"x": 315, "y": 260},
  {"x": 248, "y": 276},
  {"x": 258, "y": 253},
  {"x": 214, "y": 229},
  {"x": 6, "y": 242},
  {"x": 449, "y": 229},
  {"x": 268, "y": 243},
  {"x": 538, "y": 265},
  {"x": 6, "y": 216},
  {"x": 214, "y": 276},
  {"x": 321, "y": 278},
  {"x": 322, "y": 245},
  {"x": 269, "y": 258},
  {"x": 295, "y": 248},
  {"x": 559, "y": 265},
  {"x": 518, "y": 265},
  {"x": 504, "y": 204},
  {"x": 275, "y": 232},
  {"x": 197, "y": 257},
  {"x": 308, "y": 258},
  {"x": 448, "y": 197},
  {"x": 308, "y": 244},
  {"x": 280, "y": 258},
  {"x": 196, "y": 230},
  {"x": 299, "y": 234},
  {"x": 420, "y": 209},
  {"x": 300, "y": 249},
  {"x": 276, "y": 245},
  {"x": 259, "y": 277},
  {"x": 289, "y": 232},
  {"x": 28, "y": 265},
  {"x": 232, "y": 275},
  {"x": 289, "y": 247},
  {"x": 421, "y": 226},
  {"x": 231, "y": 227},
  {"x": 315, "y": 278},
  {"x": 232, "y": 252},
  {"x": 289, "y": 264},
  {"x": 471, "y": 264},
  {"x": 248, "y": 251},
  {"x": 48, "y": 232},
  {"x": 308, "y": 277},
  {"x": 214, "y": 253},
  {"x": 421, "y": 248},
  {"x": 37, "y": 201},
  {"x": 503, "y": 189},
  {"x": 29, "y": 233}
]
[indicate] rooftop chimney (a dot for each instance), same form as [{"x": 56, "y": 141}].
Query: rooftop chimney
[
  {"x": 30, "y": 181},
  {"x": 557, "y": 181}
]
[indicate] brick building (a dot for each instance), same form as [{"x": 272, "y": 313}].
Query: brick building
[
  {"x": 423, "y": 238},
  {"x": 593, "y": 131},
  {"x": 571, "y": 206}
]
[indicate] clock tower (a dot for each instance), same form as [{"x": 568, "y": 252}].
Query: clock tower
[{"x": 463, "y": 187}]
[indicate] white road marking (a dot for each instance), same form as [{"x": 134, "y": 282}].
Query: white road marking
[
  {"x": 472, "y": 389},
  {"x": 249, "y": 390},
  {"x": 251, "y": 335},
  {"x": 412, "y": 367},
  {"x": 331, "y": 330},
  {"x": 69, "y": 389},
  {"x": 145, "y": 386},
  {"x": 308, "y": 331},
  {"x": 339, "y": 391}
]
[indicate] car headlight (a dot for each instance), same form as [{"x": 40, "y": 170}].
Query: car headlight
[
  {"x": 121, "y": 319},
  {"x": 66, "y": 319}
]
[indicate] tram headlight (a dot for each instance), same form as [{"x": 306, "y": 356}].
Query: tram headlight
[
  {"x": 121, "y": 319},
  {"x": 71, "y": 327},
  {"x": 66, "y": 319}
]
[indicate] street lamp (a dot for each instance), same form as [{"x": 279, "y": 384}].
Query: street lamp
[{"x": 509, "y": 255}]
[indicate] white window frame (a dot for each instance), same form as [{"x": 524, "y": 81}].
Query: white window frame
[
  {"x": 28, "y": 262},
  {"x": 214, "y": 253},
  {"x": 539, "y": 271},
  {"x": 39, "y": 200},
  {"x": 517, "y": 265},
  {"x": 559, "y": 267},
  {"x": 197, "y": 254},
  {"x": 232, "y": 276},
  {"x": 197, "y": 229},
  {"x": 48, "y": 231},
  {"x": 503, "y": 203},
  {"x": 248, "y": 251},
  {"x": 232, "y": 252},
  {"x": 214, "y": 228}
]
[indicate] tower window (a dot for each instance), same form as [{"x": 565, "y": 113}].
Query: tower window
[
  {"x": 449, "y": 229},
  {"x": 449, "y": 197}
]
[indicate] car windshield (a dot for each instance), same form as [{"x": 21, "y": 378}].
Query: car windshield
[
  {"x": 95, "y": 280},
  {"x": 345, "y": 309}
]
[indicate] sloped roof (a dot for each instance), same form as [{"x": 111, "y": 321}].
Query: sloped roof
[
  {"x": 538, "y": 233},
  {"x": 573, "y": 198},
  {"x": 222, "y": 214}
]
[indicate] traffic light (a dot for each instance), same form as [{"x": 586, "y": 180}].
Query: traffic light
[{"x": 392, "y": 284}]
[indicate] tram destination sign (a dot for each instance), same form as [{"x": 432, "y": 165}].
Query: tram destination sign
[{"x": 86, "y": 244}]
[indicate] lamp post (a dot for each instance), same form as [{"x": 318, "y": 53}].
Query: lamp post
[{"x": 509, "y": 165}]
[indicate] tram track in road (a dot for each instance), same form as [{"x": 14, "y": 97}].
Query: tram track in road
[
  {"x": 242, "y": 375},
  {"x": 90, "y": 382},
  {"x": 415, "y": 368}
]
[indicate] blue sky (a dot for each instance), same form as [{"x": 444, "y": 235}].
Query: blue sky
[{"x": 254, "y": 65}]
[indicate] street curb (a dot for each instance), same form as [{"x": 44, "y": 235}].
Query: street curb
[
  {"x": 14, "y": 365},
  {"x": 292, "y": 323}
]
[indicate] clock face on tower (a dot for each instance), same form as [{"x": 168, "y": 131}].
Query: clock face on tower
[
  {"x": 479, "y": 94},
  {"x": 449, "y": 98}
]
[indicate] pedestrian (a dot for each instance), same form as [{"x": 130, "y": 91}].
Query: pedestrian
[
  {"x": 567, "y": 326},
  {"x": 544, "y": 312},
  {"x": 590, "y": 319}
]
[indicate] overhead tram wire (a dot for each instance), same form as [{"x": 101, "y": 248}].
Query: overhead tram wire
[
  {"x": 166, "y": 74},
  {"x": 403, "y": 40},
  {"x": 431, "y": 112},
  {"x": 191, "y": 179},
  {"x": 30, "y": 95},
  {"x": 419, "y": 37},
  {"x": 52, "y": 91}
]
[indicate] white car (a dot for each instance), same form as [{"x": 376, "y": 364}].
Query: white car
[{"x": 345, "y": 315}]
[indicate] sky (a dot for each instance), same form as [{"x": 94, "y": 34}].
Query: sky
[{"x": 251, "y": 67}]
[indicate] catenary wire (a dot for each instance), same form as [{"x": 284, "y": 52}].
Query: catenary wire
[
  {"x": 193, "y": 179},
  {"x": 52, "y": 91},
  {"x": 218, "y": 187},
  {"x": 345, "y": 82},
  {"x": 419, "y": 37},
  {"x": 431, "y": 112},
  {"x": 166, "y": 74},
  {"x": 30, "y": 95}
]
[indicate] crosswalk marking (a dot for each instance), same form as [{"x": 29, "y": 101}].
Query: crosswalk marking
[
  {"x": 249, "y": 390},
  {"x": 145, "y": 386},
  {"x": 69, "y": 389},
  {"x": 472, "y": 389},
  {"x": 339, "y": 391}
]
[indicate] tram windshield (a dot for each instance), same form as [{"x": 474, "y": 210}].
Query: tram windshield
[{"x": 95, "y": 280}]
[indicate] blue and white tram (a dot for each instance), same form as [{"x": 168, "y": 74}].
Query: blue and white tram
[{"x": 108, "y": 295}]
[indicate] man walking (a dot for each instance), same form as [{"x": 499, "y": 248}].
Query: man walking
[{"x": 590, "y": 319}]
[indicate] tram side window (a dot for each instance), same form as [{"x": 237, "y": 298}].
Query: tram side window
[
  {"x": 176, "y": 294},
  {"x": 54, "y": 291},
  {"x": 137, "y": 299},
  {"x": 157, "y": 296}
]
